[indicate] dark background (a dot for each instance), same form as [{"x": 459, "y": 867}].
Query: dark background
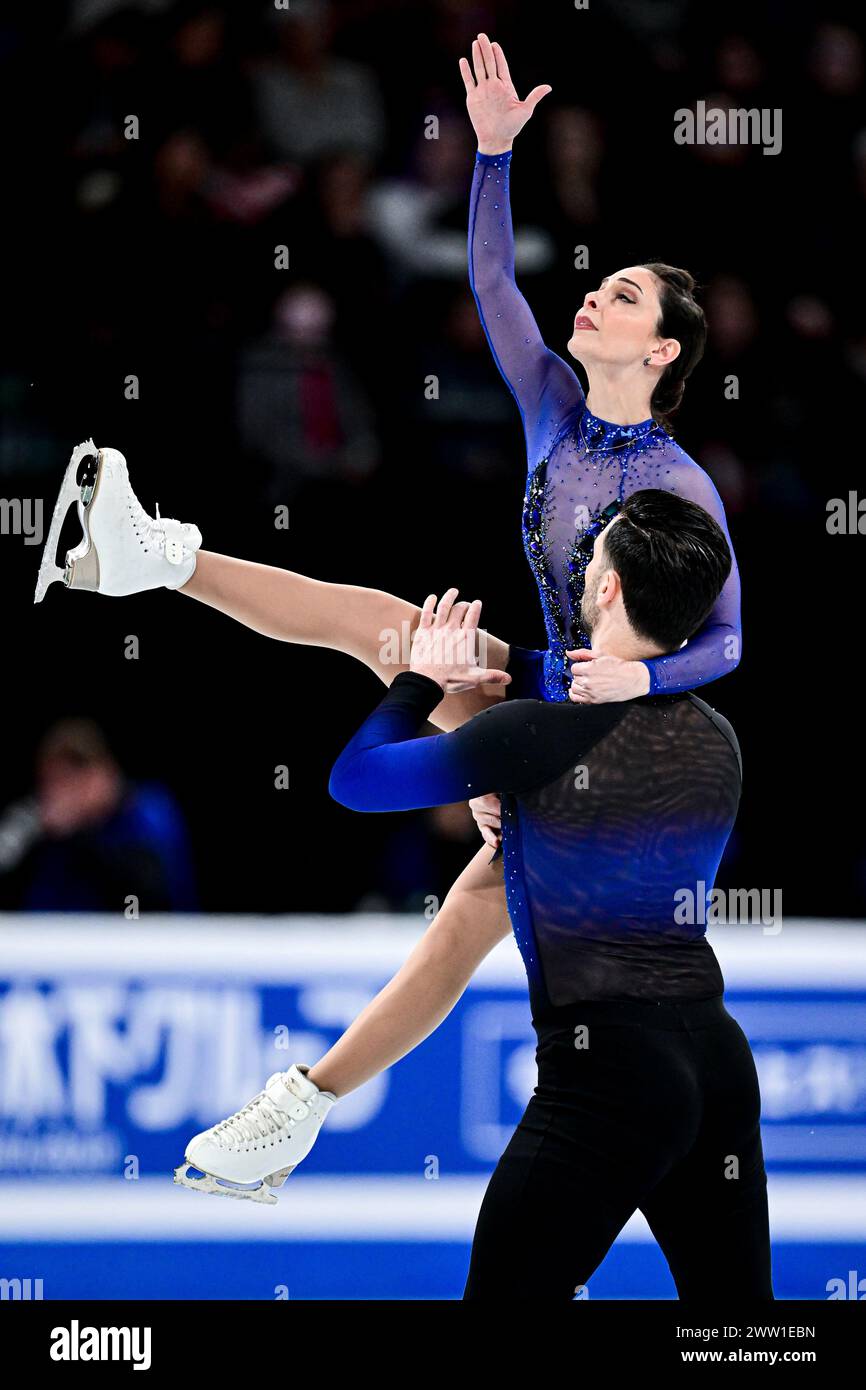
[{"x": 155, "y": 257}]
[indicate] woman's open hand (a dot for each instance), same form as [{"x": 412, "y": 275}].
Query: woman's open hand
[
  {"x": 600, "y": 680},
  {"x": 495, "y": 110},
  {"x": 446, "y": 643}
]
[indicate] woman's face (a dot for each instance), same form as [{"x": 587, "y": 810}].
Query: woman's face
[{"x": 616, "y": 324}]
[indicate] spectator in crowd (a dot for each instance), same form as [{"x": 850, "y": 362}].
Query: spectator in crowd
[
  {"x": 421, "y": 219},
  {"x": 311, "y": 102},
  {"x": 92, "y": 840},
  {"x": 301, "y": 413}
]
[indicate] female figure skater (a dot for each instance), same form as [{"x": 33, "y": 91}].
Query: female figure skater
[{"x": 638, "y": 337}]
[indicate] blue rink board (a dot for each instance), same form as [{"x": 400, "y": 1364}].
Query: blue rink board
[
  {"x": 362, "y": 1270},
  {"x": 142, "y": 1038}
]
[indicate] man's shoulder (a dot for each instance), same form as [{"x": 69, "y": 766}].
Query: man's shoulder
[
  {"x": 535, "y": 717},
  {"x": 723, "y": 724},
  {"x": 533, "y": 741}
]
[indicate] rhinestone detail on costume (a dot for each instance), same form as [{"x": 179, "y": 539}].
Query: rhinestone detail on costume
[
  {"x": 515, "y": 891},
  {"x": 616, "y": 445}
]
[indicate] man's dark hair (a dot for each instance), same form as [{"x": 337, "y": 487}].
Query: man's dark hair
[{"x": 672, "y": 559}]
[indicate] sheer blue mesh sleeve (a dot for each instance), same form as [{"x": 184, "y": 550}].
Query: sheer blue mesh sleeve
[
  {"x": 544, "y": 386},
  {"x": 716, "y": 648}
]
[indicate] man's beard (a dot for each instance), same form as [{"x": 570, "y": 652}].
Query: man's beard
[{"x": 588, "y": 613}]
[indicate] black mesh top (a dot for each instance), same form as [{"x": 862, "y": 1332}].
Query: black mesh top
[{"x": 614, "y": 820}]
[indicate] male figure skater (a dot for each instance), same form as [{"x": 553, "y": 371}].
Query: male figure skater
[{"x": 613, "y": 817}]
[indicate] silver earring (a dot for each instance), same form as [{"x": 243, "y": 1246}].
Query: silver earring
[{"x": 646, "y": 361}]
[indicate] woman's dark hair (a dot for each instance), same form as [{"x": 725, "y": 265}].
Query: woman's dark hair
[
  {"x": 681, "y": 318},
  {"x": 672, "y": 559}
]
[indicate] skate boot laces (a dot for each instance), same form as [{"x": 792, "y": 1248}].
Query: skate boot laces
[
  {"x": 164, "y": 535},
  {"x": 257, "y": 1120}
]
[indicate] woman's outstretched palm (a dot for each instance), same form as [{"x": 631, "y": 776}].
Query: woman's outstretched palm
[{"x": 495, "y": 110}]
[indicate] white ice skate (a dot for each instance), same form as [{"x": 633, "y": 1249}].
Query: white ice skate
[
  {"x": 122, "y": 549},
  {"x": 256, "y": 1149}
]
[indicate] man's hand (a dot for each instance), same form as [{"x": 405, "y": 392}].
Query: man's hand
[
  {"x": 495, "y": 110},
  {"x": 445, "y": 645},
  {"x": 487, "y": 813},
  {"x": 600, "y": 680}
]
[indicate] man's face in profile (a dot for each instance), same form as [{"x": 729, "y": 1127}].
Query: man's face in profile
[{"x": 597, "y": 566}]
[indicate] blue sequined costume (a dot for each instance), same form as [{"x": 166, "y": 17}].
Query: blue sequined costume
[{"x": 578, "y": 464}]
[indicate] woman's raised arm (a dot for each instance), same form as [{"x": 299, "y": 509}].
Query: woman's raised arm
[{"x": 543, "y": 385}]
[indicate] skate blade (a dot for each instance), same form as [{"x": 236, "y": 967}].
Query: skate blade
[
  {"x": 277, "y": 1179},
  {"x": 73, "y": 489},
  {"x": 215, "y": 1188}
]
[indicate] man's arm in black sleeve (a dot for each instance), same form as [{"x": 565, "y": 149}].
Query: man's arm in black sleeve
[{"x": 513, "y": 746}]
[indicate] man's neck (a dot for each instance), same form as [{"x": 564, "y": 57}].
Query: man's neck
[{"x": 622, "y": 642}]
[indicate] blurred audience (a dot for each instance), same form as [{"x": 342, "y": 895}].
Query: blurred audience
[
  {"x": 421, "y": 219},
  {"x": 311, "y": 102},
  {"x": 89, "y": 839},
  {"x": 301, "y": 413},
  {"x": 339, "y": 131}
]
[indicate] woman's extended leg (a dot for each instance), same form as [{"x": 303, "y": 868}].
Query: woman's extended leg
[
  {"x": 369, "y": 624},
  {"x": 470, "y": 922}
]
